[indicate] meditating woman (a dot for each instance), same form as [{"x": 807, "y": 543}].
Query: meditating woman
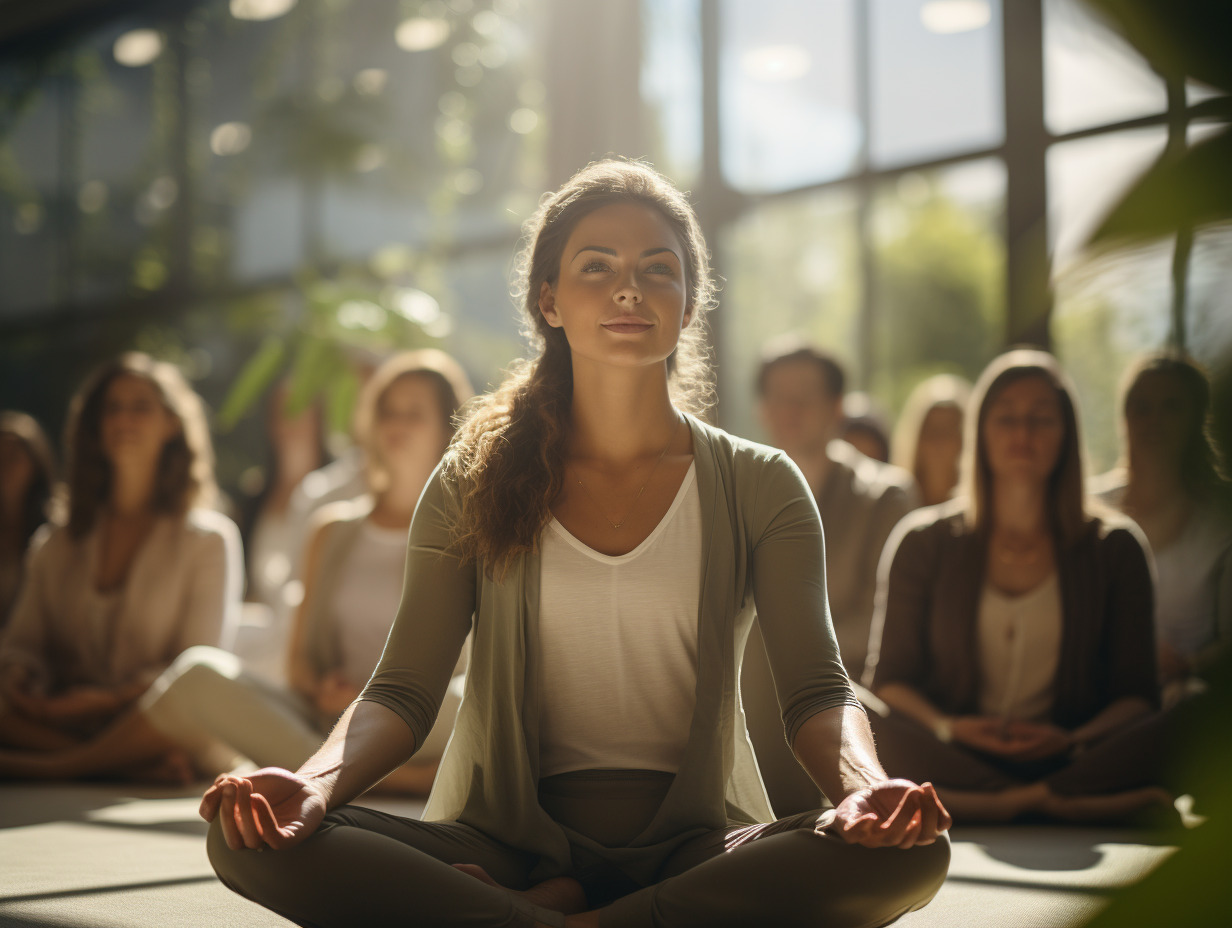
[
  {"x": 208, "y": 707},
  {"x": 140, "y": 572},
  {"x": 928, "y": 440},
  {"x": 607, "y": 551},
  {"x": 1012, "y": 641},
  {"x": 27, "y": 470},
  {"x": 1172, "y": 488}
]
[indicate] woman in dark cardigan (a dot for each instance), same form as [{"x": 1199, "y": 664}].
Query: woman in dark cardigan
[{"x": 1012, "y": 649}]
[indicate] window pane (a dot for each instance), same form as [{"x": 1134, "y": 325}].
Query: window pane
[
  {"x": 790, "y": 266},
  {"x": 29, "y": 166},
  {"x": 1092, "y": 77},
  {"x": 936, "y": 79},
  {"x": 1086, "y": 178},
  {"x": 1209, "y": 304},
  {"x": 671, "y": 85},
  {"x": 787, "y": 93},
  {"x": 1111, "y": 308},
  {"x": 939, "y": 303}
]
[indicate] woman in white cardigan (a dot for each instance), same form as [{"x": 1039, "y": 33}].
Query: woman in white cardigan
[{"x": 141, "y": 571}]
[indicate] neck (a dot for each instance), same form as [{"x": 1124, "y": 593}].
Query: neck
[
  {"x": 1153, "y": 485},
  {"x": 395, "y": 506},
  {"x": 132, "y": 490},
  {"x": 1019, "y": 508},
  {"x": 621, "y": 415}
]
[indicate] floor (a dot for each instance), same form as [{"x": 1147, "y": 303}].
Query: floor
[{"x": 102, "y": 856}]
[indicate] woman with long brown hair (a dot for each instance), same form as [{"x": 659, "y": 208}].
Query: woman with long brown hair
[
  {"x": 606, "y": 547},
  {"x": 1012, "y": 641},
  {"x": 211, "y": 708},
  {"x": 141, "y": 571}
]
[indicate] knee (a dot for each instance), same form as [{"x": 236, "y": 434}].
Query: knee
[{"x": 244, "y": 871}]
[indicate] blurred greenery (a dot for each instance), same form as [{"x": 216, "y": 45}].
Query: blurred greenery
[{"x": 1190, "y": 185}]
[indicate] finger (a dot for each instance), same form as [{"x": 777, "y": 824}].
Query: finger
[
  {"x": 894, "y": 829},
  {"x": 271, "y": 832},
  {"x": 210, "y": 802},
  {"x": 915, "y": 826},
  {"x": 928, "y": 818},
  {"x": 244, "y": 817},
  {"x": 944, "y": 819},
  {"x": 226, "y": 818},
  {"x": 858, "y": 830}
]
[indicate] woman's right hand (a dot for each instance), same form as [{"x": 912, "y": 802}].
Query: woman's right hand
[
  {"x": 272, "y": 807},
  {"x": 984, "y": 734}
]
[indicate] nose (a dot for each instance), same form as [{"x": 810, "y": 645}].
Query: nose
[{"x": 628, "y": 291}]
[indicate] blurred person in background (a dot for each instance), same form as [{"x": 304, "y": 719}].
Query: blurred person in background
[
  {"x": 27, "y": 469},
  {"x": 273, "y": 531},
  {"x": 1171, "y": 486},
  {"x": 800, "y": 390},
  {"x": 928, "y": 440},
  {"x": 141, "y": 571},
  {"x": 864, "y": 427},
  {"x": 1013, "y": 656},
  {"x": 209, "y": 707}
]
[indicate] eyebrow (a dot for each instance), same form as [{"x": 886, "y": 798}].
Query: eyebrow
[{"x": 612, "y": 251}]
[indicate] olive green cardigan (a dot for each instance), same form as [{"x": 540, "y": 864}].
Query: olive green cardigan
[{"x": 761, "y": 542}]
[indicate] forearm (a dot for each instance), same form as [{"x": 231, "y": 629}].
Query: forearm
[
  {"x": 367, "y": 743},
  {"x": 910, "y": 702},
  {"x": 1116, "y": 714},
  {"x": 835, "y": 747}
]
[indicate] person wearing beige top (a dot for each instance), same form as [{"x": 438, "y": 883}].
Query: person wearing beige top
[
  {"x": 140, "y": 571},
  {"x": 219, "y": 712},
  {"x": 1012, "y": 655},
  {"x": 589, "y": 434}
]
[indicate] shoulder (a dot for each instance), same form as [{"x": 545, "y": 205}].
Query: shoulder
[
  {"x": 940, "y": 527},
  {"x": 747, "y": 468},
  {"x": 209, "y": 526},
  {"x": 341, "y": 512},
  {"x": 1115, "y": 538},
  {"x": 51, "y": 542},
  {"x": 870, "y": 478}
]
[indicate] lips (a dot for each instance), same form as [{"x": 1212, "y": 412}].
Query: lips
[{"x": 628, "y": 325}]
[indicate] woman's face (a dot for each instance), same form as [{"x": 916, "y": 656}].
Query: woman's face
[
  {"x": 1024, "y": 428},
  {"x": 135, "y": 424},
  {"x": 939, "y": 445},
  {"x": 1157, "y": 418},
  {"x": 409, "y": 433},
  {"x": 621, "y": 296}
]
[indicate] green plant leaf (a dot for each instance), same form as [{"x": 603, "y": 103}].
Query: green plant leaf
[
  {"x": 1190, "y": 189},
  {"x": 253, "y": 380},
  {"x": 1180, "y": 38}
]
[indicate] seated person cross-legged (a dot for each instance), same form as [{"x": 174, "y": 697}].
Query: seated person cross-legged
[
  {"x": 1012, "y": 642},
  {"x": 142, "y": 570},
  {"x": 606, "y": 551},
  {"x": 212, "y": 708}
]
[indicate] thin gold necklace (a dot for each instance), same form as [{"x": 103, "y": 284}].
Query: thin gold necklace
[{"x": 641, "y": 489}]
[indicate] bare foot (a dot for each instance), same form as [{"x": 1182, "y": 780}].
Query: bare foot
[{"x": 560, "y": 894}]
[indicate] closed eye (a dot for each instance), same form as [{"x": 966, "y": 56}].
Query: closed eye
[{"x": 592, "y": 266}]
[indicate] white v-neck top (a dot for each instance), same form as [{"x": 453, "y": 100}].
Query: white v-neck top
[
  {"x": 617, "y": 645},
  {"x": 1020, "y": 648}
]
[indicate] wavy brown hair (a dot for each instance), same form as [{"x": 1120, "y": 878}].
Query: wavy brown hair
[
  {"x": 185, "y": 476},
  {"x": 1067, "y": 510},
  {"x": 508, "y": 457}
]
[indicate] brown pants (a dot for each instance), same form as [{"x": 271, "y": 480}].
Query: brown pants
[{"x": 372, "y": 868}]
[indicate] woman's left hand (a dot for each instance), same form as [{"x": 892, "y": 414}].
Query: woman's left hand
[
  {"x": 892, "y": 813},
  {"x": 1036, "y": 740}
]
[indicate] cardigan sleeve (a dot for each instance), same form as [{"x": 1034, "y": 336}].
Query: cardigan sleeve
[
  {"x": 898, "y": 642},
  {"x": 789, "y": 590},
  {"x": 212, "y": 612},
  {"x": 1129, "y": 622},
  {"x": 434, "y": 617}
]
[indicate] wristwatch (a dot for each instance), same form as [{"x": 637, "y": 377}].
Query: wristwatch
[{"x": 943, "y": 728}]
